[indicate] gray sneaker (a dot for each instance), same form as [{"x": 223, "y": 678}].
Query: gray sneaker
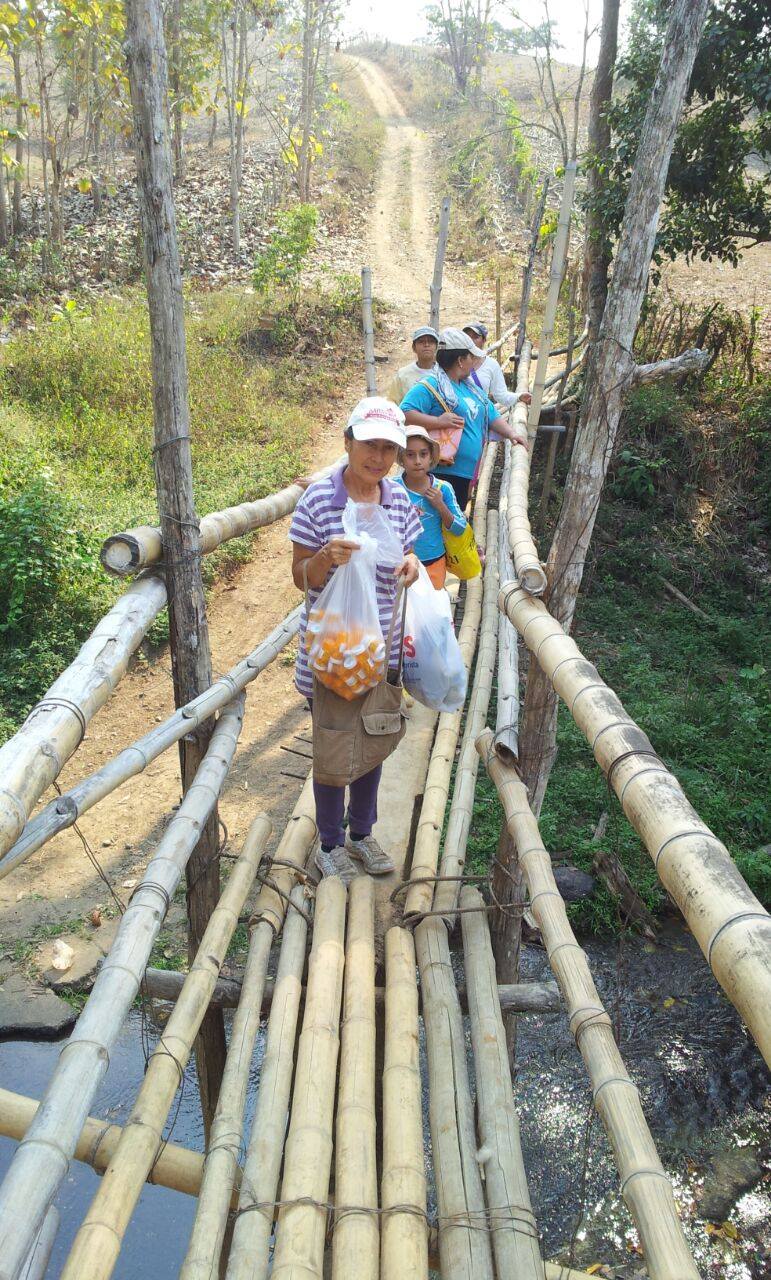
[
  {"x": 335, "y": 863},
  {"x": 368, "y": 851}
]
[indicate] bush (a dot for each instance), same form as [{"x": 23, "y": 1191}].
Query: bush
[{"x": 290, "y": 244}]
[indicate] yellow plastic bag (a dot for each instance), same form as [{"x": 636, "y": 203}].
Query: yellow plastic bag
[{"x": 462, "y": 555}]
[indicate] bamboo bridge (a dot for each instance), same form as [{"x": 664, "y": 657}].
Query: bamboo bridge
[{"x": 330, "y": 1178}]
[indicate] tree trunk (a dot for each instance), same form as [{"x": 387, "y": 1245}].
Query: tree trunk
[
  {"x": 188, "y": 628},
  {"x": 175, "y": 27},
  {"x": 306, "y": 101},
  {"x": 241, "y": 90},
  {"x": 597, "y": 251},
  {"x": 18, "y": 89},
  {"x": 609, "y": 375},
  {"x": 508, "y": 887}
]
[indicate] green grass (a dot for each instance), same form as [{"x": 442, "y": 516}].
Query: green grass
[{"x": 76, "y": 446}]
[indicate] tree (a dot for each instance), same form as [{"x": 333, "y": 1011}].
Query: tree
[
  {"x": 597, "y": 246},
  {"x": 561, "y": 103},
  {"x": 612, "y": 371},
  {"x": 715, "y": 196},
  {"x": 464, "y": 30},
  {"x": 318, "y": 20}
]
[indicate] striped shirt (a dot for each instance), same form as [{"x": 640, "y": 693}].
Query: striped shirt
[{"x": 318, "y": 517}]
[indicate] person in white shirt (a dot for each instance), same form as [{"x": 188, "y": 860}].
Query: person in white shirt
[
  {"x": 489, "y": 376},
  {"x": 425, "y": 344}
]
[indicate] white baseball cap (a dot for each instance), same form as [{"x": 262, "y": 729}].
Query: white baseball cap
[
  {"x": 457, "y": 340},
  {"x": 376, "y": 418},
  {"x": 425, "y": 331}
]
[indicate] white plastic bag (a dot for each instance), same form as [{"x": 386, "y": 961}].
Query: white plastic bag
[
  {"x": 434, "y": 671},
  {"x": 344, "y": 640}
]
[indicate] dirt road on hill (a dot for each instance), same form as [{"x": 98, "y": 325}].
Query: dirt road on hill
[{"x": 57, "y": 885}]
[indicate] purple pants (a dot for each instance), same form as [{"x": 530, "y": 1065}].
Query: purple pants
[{"x": 362, "y": 807}]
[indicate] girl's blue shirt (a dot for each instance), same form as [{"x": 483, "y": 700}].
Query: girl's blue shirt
[{"x": 429, "y": 545}]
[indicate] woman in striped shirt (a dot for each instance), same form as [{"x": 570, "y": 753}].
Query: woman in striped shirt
[{"x": 375, "y": 431}]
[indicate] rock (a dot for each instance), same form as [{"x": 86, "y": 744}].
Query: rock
[
  {"x": 728, "y": 1176},
  {"x": 62, "y": 956},
  {"x": 574, "y": 884},
  {"x": 28, "y": 1011},
  {"x": 86, "y": 959}
]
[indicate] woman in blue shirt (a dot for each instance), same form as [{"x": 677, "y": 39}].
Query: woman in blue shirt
[
  {"x": 434, "y": 501},
  {"x": 445, "y": 398}
]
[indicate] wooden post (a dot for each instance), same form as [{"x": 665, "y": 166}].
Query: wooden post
[
  {"x": 188, "y": 629},
  {"x": 551, "y": 457},
  {"x": 556, "y": 273},
  {"x": 497, "y": 308},
  {"x": 369, "y": 332},
  {"x": 441, "y": 249},
  {"x": 527, "y": 270}
]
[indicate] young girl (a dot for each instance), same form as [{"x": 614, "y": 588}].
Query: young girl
[{"x": 435, "y": 500}]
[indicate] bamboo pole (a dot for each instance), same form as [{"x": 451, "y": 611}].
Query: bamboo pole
[
  {"x": 368, "y": 331},
  {"x": 514, "y": 997},
  {"x": 515, "y": 1235},
  {"x": 54, "y": 728},
  {"x": 425, "y": 858},
  {"x": 40, "y": 1164},
  {"x": 464, "y": 1249},
  {"x": 203, "y": 1251},
  {"x": 497, "y": 308},
  {"x": 67, "y": 808},
  {"x": 507, "y": 333},
  {"x": 356, "y": 1237},
  {"x": 36, "y": 1264},
  {"x": 302, "y": 1217},
  {"x": 527, "y": 270},
  {"x": 727, "y": 920},
  {"x": 404, "y": 1254},
  {"x": 527, "y": 564},
  {"x": 562, "y": 378},
  {"x": 558, "y": 258},
  {"x": 435, "y": 288},
  {"x": 459, "y": 822},
  {"x": 176, "y": 1167},
  {"x": 645, "y": 1186},
  {"x": 250, "y": 1248},
  {"x": 134, "y": 549},
  {"x": 97, "y": 1244},
  {"x": 507, "y": 710}
]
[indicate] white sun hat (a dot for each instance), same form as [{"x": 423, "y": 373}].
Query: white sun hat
[
  {"x": 376, "y": 418},
  {"x": 457, "y": 340}
]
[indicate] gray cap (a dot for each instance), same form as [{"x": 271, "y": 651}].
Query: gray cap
[
  {"x": 425, "y": 331},
  {"x": 476, "y": 326}
]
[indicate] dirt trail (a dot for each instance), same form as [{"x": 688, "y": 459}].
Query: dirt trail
[{"x": 58, "y": 884}]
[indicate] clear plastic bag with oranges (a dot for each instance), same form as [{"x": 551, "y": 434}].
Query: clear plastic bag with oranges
[{"x": 343, "y": 639}]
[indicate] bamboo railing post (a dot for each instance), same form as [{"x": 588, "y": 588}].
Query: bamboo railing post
[
  {"x": 497, "y": 308},
  {"x": 464, "y": 1249},
  {"x": 368, "y": 331},
  {"x": 40, "y": 1164},
  {"x": 37, "y": 1263},
  {"x": 302, "y": 1216},
  {"x": 203, "y": 1251},
  {"x": 461, "y": 807},
  {"x": 176, "y": 1167},
  {"x": 559, "y": 255},
  {"x": 54, "y": 728},
  {"x": 554, "y": 438},
  {"x": 527, "y": 564},
  {"x": 726, "y": 919},
  {"x": 441, "y": 249},
  {"x": 404, "y": 1253},
  {"x": 97, "y": 1244},
  {"x": 425, "y": 858},
  {"x": 515, "y": 1235},
  {"x": 68, "y": 807},
  {"x": 527, "y": 270},
  {"x": 507, "y": 710},
  {"x": 645, "y": 1186},
  {"x": 134, "y": 549},
  {"x": 356, "y": 1236},
  {"x": 249, "y": 1251}
]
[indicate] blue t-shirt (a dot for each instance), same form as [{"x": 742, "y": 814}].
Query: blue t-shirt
[
  {"x": 429, "y": 545},
  {"x": 475, "y": 409}
]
